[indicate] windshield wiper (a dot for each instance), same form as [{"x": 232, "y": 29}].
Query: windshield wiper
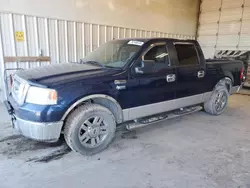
[{"x": 93, "y": 63}]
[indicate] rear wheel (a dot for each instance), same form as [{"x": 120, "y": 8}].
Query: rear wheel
[
  {"x": 90, "y": 129},
  {"x": 218, "y": 101}
]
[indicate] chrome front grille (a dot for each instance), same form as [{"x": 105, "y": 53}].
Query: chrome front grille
[{"x": 19, "y": 89}]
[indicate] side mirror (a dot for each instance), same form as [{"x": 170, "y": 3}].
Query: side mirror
[{"x": 147, "y": 67}]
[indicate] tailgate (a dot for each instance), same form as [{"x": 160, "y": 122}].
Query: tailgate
[
  {"x": 243, "y": 55},
  {"x": 248, "y": 74}
]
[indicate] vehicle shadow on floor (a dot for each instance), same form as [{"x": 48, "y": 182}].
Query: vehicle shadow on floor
[{"x": 15, "y": 146}]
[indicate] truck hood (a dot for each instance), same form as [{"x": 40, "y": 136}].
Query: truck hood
[{"x": 63, "y": 73}]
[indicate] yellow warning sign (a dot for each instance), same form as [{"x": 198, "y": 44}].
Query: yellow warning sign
[{"x": 19, "y": 36}]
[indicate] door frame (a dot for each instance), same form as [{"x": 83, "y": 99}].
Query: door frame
[{"x": 200, "y": 66}]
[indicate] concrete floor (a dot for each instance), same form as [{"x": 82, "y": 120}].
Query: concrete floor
[{"x": 197, "y": 150}]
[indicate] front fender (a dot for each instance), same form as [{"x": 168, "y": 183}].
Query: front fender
[{"x": 102, "y": 99}]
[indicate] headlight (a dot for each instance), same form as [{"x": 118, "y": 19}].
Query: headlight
[{"x": 42, "y": 96}]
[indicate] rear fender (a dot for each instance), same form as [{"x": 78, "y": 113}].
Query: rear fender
[
  {"x": 227, "y": 81},
  {"x": 230, "y": 76}
]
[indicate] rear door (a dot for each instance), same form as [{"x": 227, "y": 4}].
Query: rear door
[{"x": 190, "y": 71}]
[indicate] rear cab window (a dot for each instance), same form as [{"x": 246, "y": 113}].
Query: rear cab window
[{"x": 187, "y": 54}]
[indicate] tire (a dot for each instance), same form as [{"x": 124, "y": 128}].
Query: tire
[
  {"x": 214, "y": 105},
  {"x": 90, "y": 129}
]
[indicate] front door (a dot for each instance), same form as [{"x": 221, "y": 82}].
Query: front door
[{"x": 154, "y": 88}]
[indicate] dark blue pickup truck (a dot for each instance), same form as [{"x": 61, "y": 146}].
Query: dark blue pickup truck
[{"x": 129, "y": 80}]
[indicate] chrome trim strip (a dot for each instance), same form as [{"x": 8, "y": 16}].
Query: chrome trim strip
[
  {"x": 183, "y": 42},
  {"x": 42, "y": 131},
  {"x": 117, "y": 82},
  {"x": 92, "y": 97},
  {"x": 120, "y": 87},
  {"x": 146, "y": 110}
]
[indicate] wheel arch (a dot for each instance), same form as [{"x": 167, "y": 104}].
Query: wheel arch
[
  {"x": 101, "y": 99},
  {"x": 230, "y": 76},
  {"x": 227, "y": 81}
]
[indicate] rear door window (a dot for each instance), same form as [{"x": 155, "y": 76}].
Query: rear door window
[{"x": 187, "y": 54}]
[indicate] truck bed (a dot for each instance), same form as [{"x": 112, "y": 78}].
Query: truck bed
[{"x": 221, "y": 61}]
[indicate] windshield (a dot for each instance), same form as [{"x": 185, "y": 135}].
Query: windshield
[{"x": 114, "y": 54}]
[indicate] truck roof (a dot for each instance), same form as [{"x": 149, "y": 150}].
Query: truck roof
[{"x": 157, "y": 38}]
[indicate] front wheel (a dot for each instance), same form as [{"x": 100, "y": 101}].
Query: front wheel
[
  {"x": 90, "y": 129},
  {"x": 218, "y": 101}
]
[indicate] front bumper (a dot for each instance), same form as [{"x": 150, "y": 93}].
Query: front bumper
[
  {"x": 41, "y": 131},
  {"x": 38, "y": 131}
]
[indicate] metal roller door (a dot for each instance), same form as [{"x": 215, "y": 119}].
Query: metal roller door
[{"x": 224, "y": 25}]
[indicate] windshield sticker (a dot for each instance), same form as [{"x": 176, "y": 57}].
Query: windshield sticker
[{"x": 134, "y": 42}]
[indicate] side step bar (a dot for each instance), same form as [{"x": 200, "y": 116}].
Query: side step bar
[{"x": 142, "y": 122}]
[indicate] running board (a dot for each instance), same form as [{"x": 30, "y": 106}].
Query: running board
[{"x": 142, "y": 122}]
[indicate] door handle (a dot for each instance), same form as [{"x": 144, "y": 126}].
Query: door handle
[
  {"x": 170, "y": 77},
  {"x": 201, "y": 74}
]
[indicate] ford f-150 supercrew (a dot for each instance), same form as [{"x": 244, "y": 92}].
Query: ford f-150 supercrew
[{"x": 139, "y": 81}]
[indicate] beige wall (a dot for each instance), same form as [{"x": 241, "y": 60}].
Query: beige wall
[{"x": 172, "y": 16}]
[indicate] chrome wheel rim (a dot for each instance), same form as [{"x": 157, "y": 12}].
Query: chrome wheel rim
[
  {"x": 93, "y": 132},
  {"x": 220, "y": 101}
]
